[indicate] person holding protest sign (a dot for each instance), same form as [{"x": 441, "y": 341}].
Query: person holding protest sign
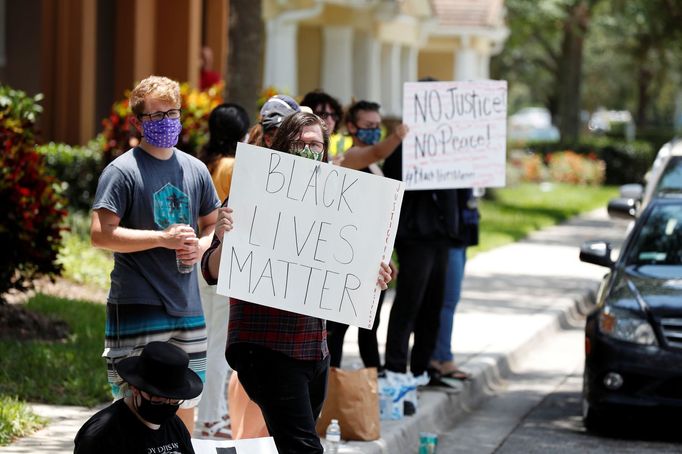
[
  {"x": 429, "y": 226},
  {"x": 145, "y": 420},
  {"x": 155, "y": 208},
  {"x": 366, "y": 151},
  {"x": 282, "y": 357},
  {"x": 363, "y": 122},
  {"x": 227, "y": 125}
]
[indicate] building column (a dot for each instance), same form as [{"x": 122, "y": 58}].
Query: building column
[
  {"x": 391, "y": 78},
  {"x": 337, "y": 62},
  {"x": 367, "y": 67},
  {"x": 178, "y": 40},
  {"x": 483, "y": 66},
  {"x": 281, "y": 55},
  {"x": 216, "y": 33},
  {"x": 409, "y": 64},
  {"x": 69, "y": 78},
  {"x": 466, "y": 61},
  {"x": 134, "y": 57}
]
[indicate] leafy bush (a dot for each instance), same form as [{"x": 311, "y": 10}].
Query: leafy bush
[
  {"x": 626, "y": 162},
  {"x": 81, "y": 262},
  {"x": 78, "y": 169},
  {"x": 525, "y": 167},
  {"x": 120, "y": 135},
  {"x": 570, "y": 167},
  {"x": 32, "y": 206}
]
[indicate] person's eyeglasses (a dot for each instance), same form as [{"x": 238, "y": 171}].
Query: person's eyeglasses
[
  {"x": 173, "y": 114},
  {"x": 325, "y": 115},
  {"x": 156, "y": 400},
  {"x": 316, "y": 147}
]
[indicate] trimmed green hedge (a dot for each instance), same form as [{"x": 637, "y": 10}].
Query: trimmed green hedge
[
  {"x": 626, "y": 162},
  {"x": 78, "y": 169}
]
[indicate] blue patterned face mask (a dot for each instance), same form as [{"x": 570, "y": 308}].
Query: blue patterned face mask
[
  {"x": 368, "y": 136},
  {"x": 162, "y": 133}
]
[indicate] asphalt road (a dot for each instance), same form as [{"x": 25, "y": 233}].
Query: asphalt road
[{"x": 538, "y": 409}]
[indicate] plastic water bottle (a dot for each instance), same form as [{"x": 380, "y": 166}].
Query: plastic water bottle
[
  {"x": 333, "y": 437},
  {"x": 182, "y": 268}
]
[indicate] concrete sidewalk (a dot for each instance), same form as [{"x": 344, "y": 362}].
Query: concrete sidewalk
[{"x": 513, "y": 298}]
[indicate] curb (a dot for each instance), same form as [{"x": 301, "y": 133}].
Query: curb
[{"x": 439, "y": 412}]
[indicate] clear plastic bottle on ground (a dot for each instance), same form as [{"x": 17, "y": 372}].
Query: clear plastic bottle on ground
[{"x": 333, "y": 437}]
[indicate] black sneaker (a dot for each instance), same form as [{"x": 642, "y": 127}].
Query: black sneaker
[{"x": 408, "y": 408}]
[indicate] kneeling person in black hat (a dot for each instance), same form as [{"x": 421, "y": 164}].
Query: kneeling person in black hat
[{"x": 145, "y": 421}]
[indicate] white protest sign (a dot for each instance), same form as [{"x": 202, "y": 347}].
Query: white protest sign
[
  {"x": 245, "y": 446},
  {"x": 458, "y": 134},
  {"x": 308, "y": 236}
]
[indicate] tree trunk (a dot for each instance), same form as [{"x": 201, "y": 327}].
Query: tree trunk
[
  {"x": 245, "y": 57},
  {"x": 570, "y": 71}
]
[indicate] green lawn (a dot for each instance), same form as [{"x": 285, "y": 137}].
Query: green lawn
[
  {"x": 512, "y": 213},
  {"x": 69, "y": 372}
]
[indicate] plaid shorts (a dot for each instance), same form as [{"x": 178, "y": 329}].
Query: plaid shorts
[{"x": 129, "y": 327}]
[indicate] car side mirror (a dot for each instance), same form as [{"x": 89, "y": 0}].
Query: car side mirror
[
  {"x": 597, "y": 253},
  {"x": 632, "y": 191},
  {"x": 622, "y": 208}
]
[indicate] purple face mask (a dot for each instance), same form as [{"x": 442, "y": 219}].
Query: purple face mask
[{"x": 163, "y": 133}]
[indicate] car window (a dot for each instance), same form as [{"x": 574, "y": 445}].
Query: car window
[
  {"x": 671, "y": 180},
  {"x": 659, "y": 241}
]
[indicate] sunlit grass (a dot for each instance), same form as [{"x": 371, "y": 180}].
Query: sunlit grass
[
  {"x": 510, "y": 214},
  {"x": 68, "y": 372},
  {"x": 16, "y": 420}
]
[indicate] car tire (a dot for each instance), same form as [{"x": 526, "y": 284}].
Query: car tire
[{"x": 594, "y": 419}]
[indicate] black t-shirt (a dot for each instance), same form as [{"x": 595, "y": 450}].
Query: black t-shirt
[{"x": 116, "y": 430}]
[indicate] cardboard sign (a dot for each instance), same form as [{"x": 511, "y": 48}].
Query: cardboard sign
[
  {"x": 245, "y": 446},
  {"x": 458, "y": 134},
  {"x": 308, "y": 236}
]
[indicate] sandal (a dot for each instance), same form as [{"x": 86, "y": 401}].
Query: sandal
[
  {"x": 217, "y": 429},
  {"x": 456, "y": 373},
  {"x": 448, "y": 369}
]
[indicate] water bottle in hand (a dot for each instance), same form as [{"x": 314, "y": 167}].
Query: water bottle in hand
[
  {"x": 333, "y": 437},
  {"x": 182, "y": 268}
]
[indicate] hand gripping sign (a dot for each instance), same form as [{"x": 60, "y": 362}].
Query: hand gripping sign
[
  {"x": 458, "y": 134},
  {"x": 308, "y": 236}
]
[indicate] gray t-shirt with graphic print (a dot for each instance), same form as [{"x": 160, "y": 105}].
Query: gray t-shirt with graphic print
[{"x": 151, "y": 194}]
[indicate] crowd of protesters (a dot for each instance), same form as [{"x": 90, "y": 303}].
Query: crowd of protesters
[{"x": 159, "y": 210}]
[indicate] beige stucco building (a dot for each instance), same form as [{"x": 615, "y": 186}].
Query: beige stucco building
[
  {"x": 83, "y": 54},
  {"x": 367, "y": 49}
]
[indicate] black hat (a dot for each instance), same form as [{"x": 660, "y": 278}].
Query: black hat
[{"x": 161, "y": 370}]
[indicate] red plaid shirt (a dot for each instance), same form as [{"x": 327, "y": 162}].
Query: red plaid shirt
[{"x": 297, "y": 336}]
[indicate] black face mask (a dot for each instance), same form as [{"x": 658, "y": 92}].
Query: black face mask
[{"x": 155, "y": 413}]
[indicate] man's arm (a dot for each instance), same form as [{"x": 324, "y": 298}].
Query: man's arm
[
  {"x": 106, "y": 233},
  {"x": 206, "y": 227},
  {"x": 360, "y": 157}
]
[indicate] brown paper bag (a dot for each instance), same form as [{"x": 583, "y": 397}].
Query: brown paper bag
[
  {"x": 245, "y": 416},
  {"x": 353, "y": 399}
]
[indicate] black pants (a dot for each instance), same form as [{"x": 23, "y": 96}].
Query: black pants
[
  {"x": 289, "y": 392},
  {"x": 367, "y": 340},
  {"x": 417, "y": 305}
]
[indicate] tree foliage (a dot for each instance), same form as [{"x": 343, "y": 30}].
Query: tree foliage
[{"x": 622, "y": 54}]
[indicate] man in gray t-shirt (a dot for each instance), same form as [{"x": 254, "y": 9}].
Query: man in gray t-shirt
[{"x": 155, "y": 204}]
